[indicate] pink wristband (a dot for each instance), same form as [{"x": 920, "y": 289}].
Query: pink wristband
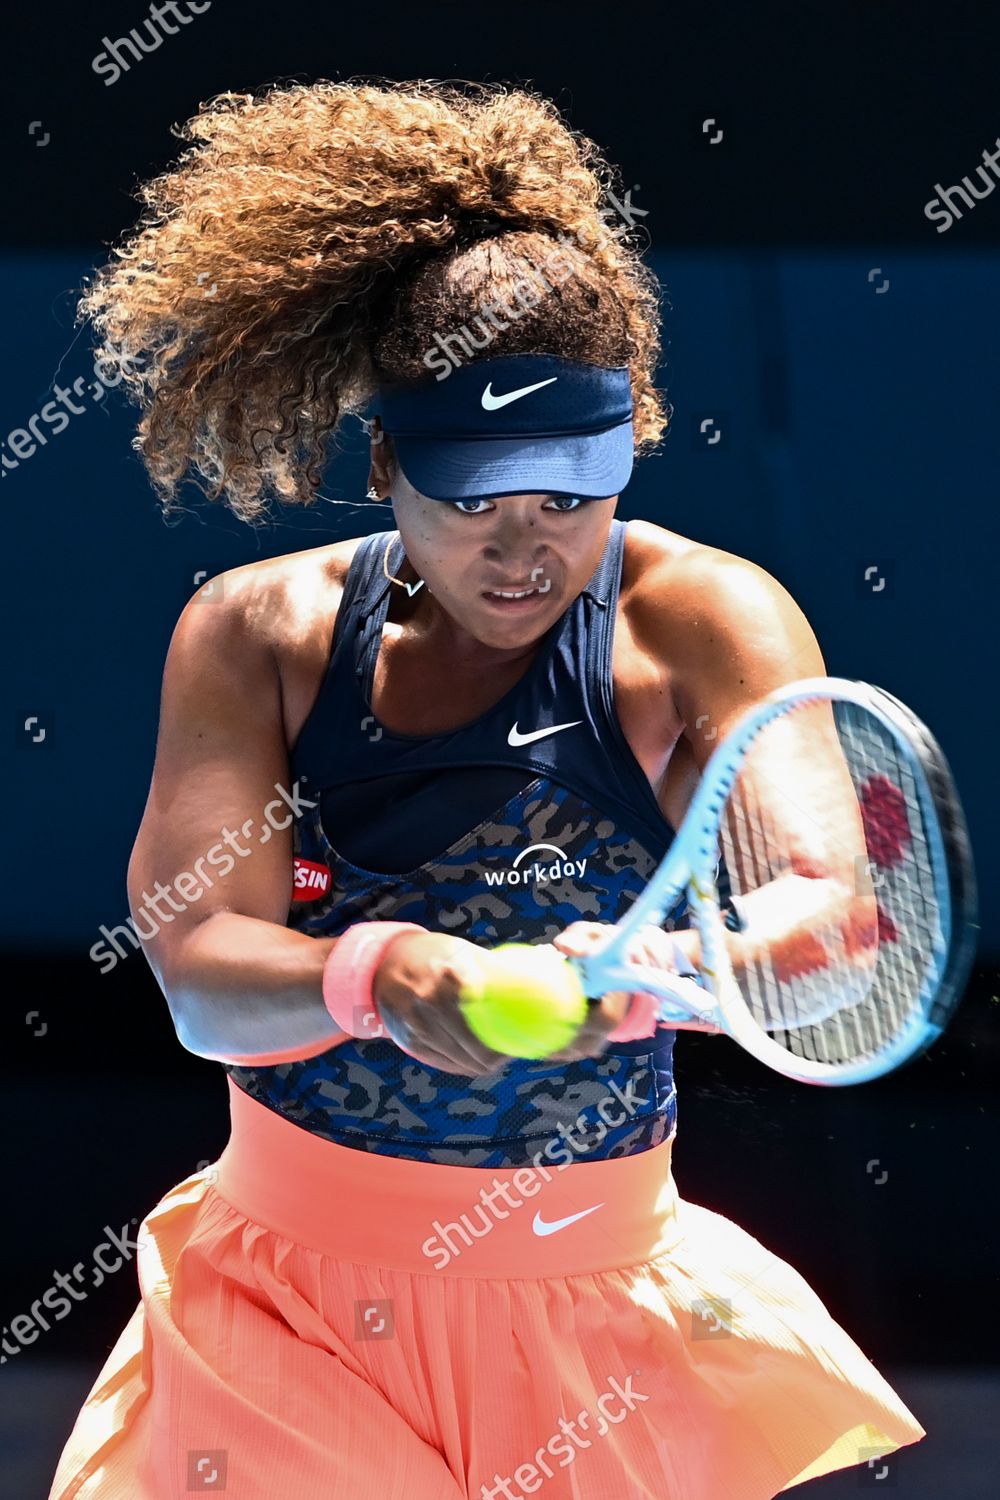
[
  {"x": 350, "y": 970},
  {"x": 638, "y": 1021}
]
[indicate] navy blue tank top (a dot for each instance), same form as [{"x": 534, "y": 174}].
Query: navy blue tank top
[{"x": 507, "y": 829}]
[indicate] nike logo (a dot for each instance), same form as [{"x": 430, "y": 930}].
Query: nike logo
[
  {"x": 515, "y": 737},
  {"x": 493, "y": 403},
  {"x": 540, "y": 1227}
]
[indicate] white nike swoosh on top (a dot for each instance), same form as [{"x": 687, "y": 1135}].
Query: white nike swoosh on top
[
  {"x": 515, "y": 737},
  {"x": 540, "y": 1227},
  {"x": 493, "y": 403}
]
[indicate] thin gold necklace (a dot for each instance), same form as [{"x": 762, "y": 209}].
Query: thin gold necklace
[{"x": 411, "y": 588}]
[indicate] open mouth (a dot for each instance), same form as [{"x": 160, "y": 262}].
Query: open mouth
[
  {"x": 517, "y": 599},
  {"x": 533, "y": 591},
  {"x": 514, "y": 593}
]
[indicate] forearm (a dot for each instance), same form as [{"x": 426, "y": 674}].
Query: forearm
[
  {"x": 793, "y": 922},
  {"x": 244, "y": 990}
]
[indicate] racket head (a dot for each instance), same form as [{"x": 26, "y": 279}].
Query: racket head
[
  {"x": 875, "y": 973},
  {"x": 958, "y": 863}
]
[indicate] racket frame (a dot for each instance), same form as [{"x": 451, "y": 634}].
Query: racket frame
[{"x": 689, "y": 869}]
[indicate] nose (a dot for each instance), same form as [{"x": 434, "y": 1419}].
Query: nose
[{"x": 517, "y": 542}]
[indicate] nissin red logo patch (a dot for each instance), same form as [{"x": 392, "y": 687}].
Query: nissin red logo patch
[{"x": 309, "y": 880}]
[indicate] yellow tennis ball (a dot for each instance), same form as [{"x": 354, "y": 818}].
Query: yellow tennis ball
[{"x": 527, "y": 1003}]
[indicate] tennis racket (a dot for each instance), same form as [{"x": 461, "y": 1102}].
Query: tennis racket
[{"x": 831, "y": 807}]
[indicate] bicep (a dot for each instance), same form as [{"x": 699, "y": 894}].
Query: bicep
[
  {"x": 742, "y": 635},
  {"x": 215, "y": 835},
  {"x": 748, "y": 636},
  {"x": 794, "y": 807}
]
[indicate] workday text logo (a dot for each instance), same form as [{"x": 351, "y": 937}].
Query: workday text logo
[{"x": 537, "y": 865}]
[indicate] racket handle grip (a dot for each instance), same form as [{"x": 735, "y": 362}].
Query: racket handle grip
[{"x": 639, "y": 1020}]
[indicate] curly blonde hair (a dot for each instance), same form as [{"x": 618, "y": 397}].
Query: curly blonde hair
[{"x": 312, "y": 241}]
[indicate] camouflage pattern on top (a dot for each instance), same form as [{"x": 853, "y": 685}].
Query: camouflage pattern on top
[{"x": 545, "y": 859}]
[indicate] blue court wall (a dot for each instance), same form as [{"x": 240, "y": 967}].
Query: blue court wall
[{"x": 851, "y": 397}]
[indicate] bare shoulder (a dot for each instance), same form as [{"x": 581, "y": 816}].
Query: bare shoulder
[
  {"x": 268, "y": 623},
  {"x": 720, "y": 625},
  {"x": 670, "y": 572},
  {"x": 278, "y": 603},
  {"x": 673, "y": 585}
]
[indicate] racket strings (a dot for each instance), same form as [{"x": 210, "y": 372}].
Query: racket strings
[{"x": 852, "y": 873}]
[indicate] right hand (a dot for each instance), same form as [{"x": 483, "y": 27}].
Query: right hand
[
  {"x": 416, "y": 989},
  {"x": 651, "y": 946}
]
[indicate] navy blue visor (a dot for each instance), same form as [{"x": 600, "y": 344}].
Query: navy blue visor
[{"x": 519, "y": 424}]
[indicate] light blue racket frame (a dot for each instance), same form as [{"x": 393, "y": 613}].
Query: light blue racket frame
[{"x": 689, "y": 868}]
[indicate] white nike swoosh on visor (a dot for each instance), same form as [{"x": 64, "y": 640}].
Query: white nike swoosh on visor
[
  {"x": 515, "y": 737},
  {"x": 540, "y": 1227},
  {"x": 493, "y": 403}
]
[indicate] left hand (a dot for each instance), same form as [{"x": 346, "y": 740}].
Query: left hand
[{"x": 651, "y": 946}]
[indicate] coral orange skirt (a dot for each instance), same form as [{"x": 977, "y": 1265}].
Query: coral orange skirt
[{"x": 319, "y": 1323}]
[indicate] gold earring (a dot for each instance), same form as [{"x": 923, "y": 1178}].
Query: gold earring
[{"x": 411, "y": 588}]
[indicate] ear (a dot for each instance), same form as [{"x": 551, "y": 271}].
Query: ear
[{"x": 383, "y": 459}]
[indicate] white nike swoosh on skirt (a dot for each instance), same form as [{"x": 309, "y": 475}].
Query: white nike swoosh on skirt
[
  {"x": 515, "y": 737},
  {"x": 541, "y": 1227}
]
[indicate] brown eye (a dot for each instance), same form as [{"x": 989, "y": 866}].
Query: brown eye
[{"x": 565, "y": 502}]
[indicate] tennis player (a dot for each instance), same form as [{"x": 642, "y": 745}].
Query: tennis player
[{"x": 421, "y": 1269}]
